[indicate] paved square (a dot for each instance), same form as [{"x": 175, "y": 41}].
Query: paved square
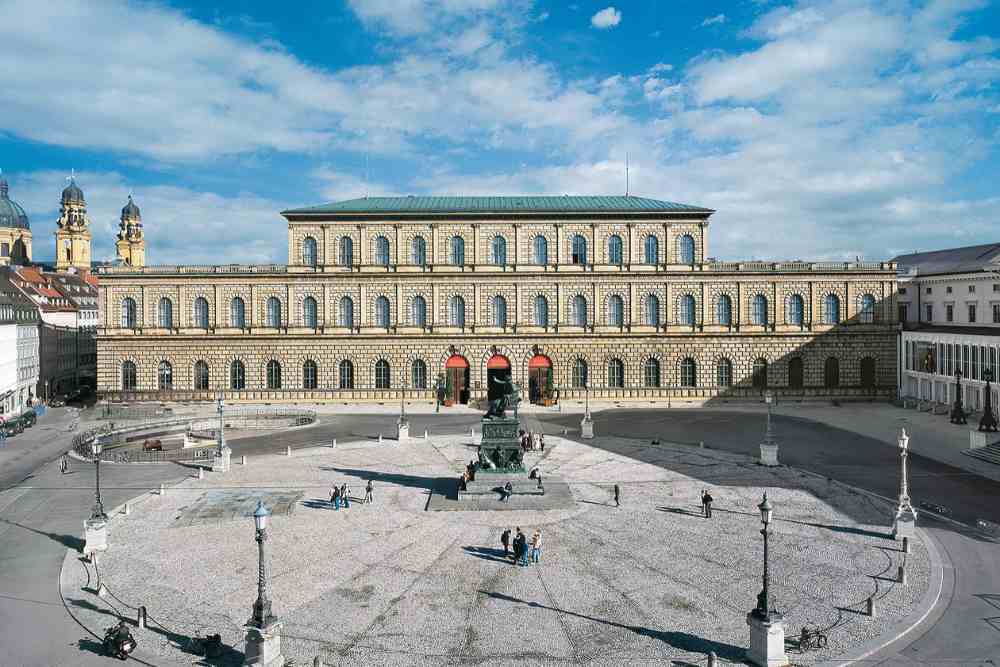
[
  {"x": 393, "y": 584},
  {"x": 217, "y": 505}
]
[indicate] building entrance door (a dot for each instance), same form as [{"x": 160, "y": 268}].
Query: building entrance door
[
  {"x": 539, "y": 378},
  {"x": 497, "y": 367},
  {"x": 456, "y": 379}
]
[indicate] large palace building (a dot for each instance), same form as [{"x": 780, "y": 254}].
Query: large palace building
[{"x": 390, "y": 295}]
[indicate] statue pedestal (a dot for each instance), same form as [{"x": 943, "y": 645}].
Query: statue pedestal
[
  {"x": 500, "y": 447},
  {"x": 263, "y": 647},
  {"x": 402, "y": 429},
  {"x": 587, "y": 428},
  {"x": 95, "y": 533},
  {"x": 768, "y": 455},
  {"x": 904, "y": 523},
  {"x": 220, "y": 463},
  {"x": 767, "y": 641}
]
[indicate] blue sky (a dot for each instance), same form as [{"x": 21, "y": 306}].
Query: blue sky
[{"x": 819, "y": 129}]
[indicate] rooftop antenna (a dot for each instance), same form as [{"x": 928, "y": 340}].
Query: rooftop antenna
[{"x": 626, "y": 173}]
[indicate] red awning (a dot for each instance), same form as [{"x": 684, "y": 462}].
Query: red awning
[
  {"x": 456, "y": 361},
  {"x": 499, "y": 362},
  {"x": 540, "y": 361}
]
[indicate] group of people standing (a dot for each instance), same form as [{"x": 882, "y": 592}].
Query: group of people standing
[
  {"x": 521, "y": 549},
  {"x": 532, "y": 441},
  {"x": 341, "y": 495}
]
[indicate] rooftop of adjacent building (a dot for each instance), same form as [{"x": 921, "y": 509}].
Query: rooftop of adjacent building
[
  {"x": 969, "y": 259},
  {"x": 483, "y": 205}
]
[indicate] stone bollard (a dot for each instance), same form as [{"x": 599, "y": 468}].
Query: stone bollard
[
  {"x": 701, "y": 444},
  {"x": 140, "y": 619},
  {"x": 288, "y": 450},
  {"x": 243, "y": 461},
  {"x": 472, "y": 434},
  {"x": 901, "y": 575},
  {"x": 906, "y": 545},
  {"x": 334, "y": 444},
  {"x": 128, "y": 510},
  {"x": 426, "y": 435},
  {"x": 870, "y": 606},
  {"x": 565, "y": 431},
  {"x": 380, "y": 438},
  {"x": 163, "y": 489},
  {"x": 713, "y": 660}
]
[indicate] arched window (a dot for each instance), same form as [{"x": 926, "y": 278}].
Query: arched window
[
  {"x": 616, "y": 373},
  {"x": 758, "y": 313},
  {"x": 685, "y": 249},
  {"x": 456, "y": 307},
  {"x": 579, "y": 374},
  {"x": 499, "y": 251},
  {"x": 831, "y": 373},
  {"x": 457, "y": 251},
  {"x": 310, "y": 375},
  {"x": 724, "y": 310},
  {"x": 309, "y": 314},
  {"x": 418, "y": 311},
  {"x": 346, "y": 251},
  {"x": 128, "y": 313},
  {"x": 166, "y": 312},
  {"x": 615, "y": 252},
  {"x": 237, "y": 313},
  {"x": 382, "y": 312},
  {"x": 128, "y": 376},
  {"x": 868, "y": 373},
  {"x": 616, "y": 311},
  {"x": 579, "y": 248},
  {"x": 346, "y": 372},
  {"x": 165, "y": 376},
  {"x": 760, "y": 374},
  {"x": 686, "y": 310},
  {"x": 309, "y": 251},
  {"x": 579, "y": 311},
  {"x": 867, "y": 309},
  {"x": 418, "y": 374},
  {"x": 831, "y": 314},
  {"x": 724, "y": 373},
  {"x": 499, "y": 311},
  {"x": 651, "y": 372},
  {"x": 347, "y": 312},
  {"x": 541, "y": 311},
  {"x": 418, "y": 251},
  {"x": 273, "y": 311},
  {"x": 382, "y": 251},
  {"x": 200, "y": 375},
  {"x": 201, "y": 312},
  {"x": 541, "y": 250},
  {"x": 382, "y": 376},
  {"x": 796, "y": 373},
  {"x": 652, "y": 310},
  {"x": 796, "y": 310},
  {"x": 237, "y": 376},
  {"x": 273, "y": 374},
  {"x": 651, "y": 250},
  {"x": 689, "y": 373}
]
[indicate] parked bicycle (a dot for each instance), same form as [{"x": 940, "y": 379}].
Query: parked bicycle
[{"x": 812, "y": 638}]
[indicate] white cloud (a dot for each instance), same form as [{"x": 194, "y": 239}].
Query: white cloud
[
  {"x": 608, "y": 17},
  {"x": 718, "y": 19},
  {"x": 412, "y": 17}
]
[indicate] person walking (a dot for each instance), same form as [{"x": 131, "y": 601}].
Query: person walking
[
  {"x": 505, "y": 541},
  {"x": 524, "y": 550},
  {"x": 541, "y": 441},
  {"x": 706, "y": 503},
  {"x": 345, "y": 494},
  {"x": 368, "y": 492},
  {"x": 508, "y": 491},
  {"x": 335, "y": 497},
  {"x": 64, "y": 463},
  {"x": 618, "y": 493},
  {"x": 520, "y": 548},
  {"x": 536, "y": 545}
]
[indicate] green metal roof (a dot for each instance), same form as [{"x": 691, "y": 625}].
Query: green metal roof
[{"x": 517, "y": 204}]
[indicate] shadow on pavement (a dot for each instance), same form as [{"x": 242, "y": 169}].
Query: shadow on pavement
[
  {"x": 488, "y": 553},
  {"x": 69, "y": 541},
  {"x": 413, "y": 481}
]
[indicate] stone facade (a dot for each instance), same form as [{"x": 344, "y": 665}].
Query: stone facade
[{"x": 394, "y": 300}]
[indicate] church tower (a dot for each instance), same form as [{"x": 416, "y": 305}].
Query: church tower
[
  {"x": 131, "y": 245},
  {"x": 73, "y": 233}
]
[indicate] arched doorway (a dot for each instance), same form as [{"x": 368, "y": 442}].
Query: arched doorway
[
  {"x": 497, "y": 368},
  {"x": 456, "y": 379},
  {"x": 540, "y": 378}
]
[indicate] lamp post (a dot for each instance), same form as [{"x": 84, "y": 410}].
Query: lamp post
[
  {"x": 95, "y": 447},
  {"x": 222, "y": 424},
  {"x": 957, "y": 411},
  {"x": 586, "y": 395},
  {"x": 767, "y": 630},
  {"x": 906, "y": 516},
  {"x": 763, "y": 609},
  {"x": 586, "y": 424},
  {"x": 263, "y": 639},
  {"x": 768, "y": 448},
  {"x": 988, "y": 422}
]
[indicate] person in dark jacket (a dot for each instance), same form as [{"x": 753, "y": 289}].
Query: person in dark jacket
[
  {"x": 520, "y": 542},
  {"x": 618, "y": 494},
  {"x": 505, "y": 541},
  {"x": 706, "y": 503}
]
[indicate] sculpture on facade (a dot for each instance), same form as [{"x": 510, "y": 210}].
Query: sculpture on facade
[{"x": 509, "y": 398}]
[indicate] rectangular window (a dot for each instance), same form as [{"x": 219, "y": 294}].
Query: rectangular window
[
  {"x": 927, "y": 291},
  {"x": 902, "y": 290},
  {"x": 906, "y": 357},
  {"x": 975, "y": 362},
  {"x": 940, "y": 359},
  {"x": 902, "y": 312},
  {"x": 929, "y": 312},
  {"x": 996, "y": 313},
  {"x": 947, "y": 359},
  {"x": 947, "y": 289},
  {"x": 972, "y": 289},
  {"x": 965, "y": 360},
  {"x": 972, "y": 313},
  {"x": 949, "y": 313},
  {"x": 996, "y": 287}
]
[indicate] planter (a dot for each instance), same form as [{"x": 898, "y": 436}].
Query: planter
[
  {"x": 548, "y": 402},
  {"x": 448, "y": 403}
]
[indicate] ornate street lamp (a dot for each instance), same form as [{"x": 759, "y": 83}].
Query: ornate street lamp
[
  {"x": 95, "y": 447},
  {"x": 769, "y": 448},
  {"x": 262, "y": 616},
  {"x": 906, "y": 516},
  {"x": 763, "y": 610},
  {"x": 957, "y": 411},
  {"x": 222, "y": 424},
  {"x": 767, "y": 629},
  {"x": 988, "y": 422}
]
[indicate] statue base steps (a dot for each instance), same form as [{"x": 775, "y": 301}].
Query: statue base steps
[{"x": 492, "y": 486}]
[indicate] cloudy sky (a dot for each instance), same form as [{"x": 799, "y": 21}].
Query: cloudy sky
[{"x": 817, "y": 129}]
